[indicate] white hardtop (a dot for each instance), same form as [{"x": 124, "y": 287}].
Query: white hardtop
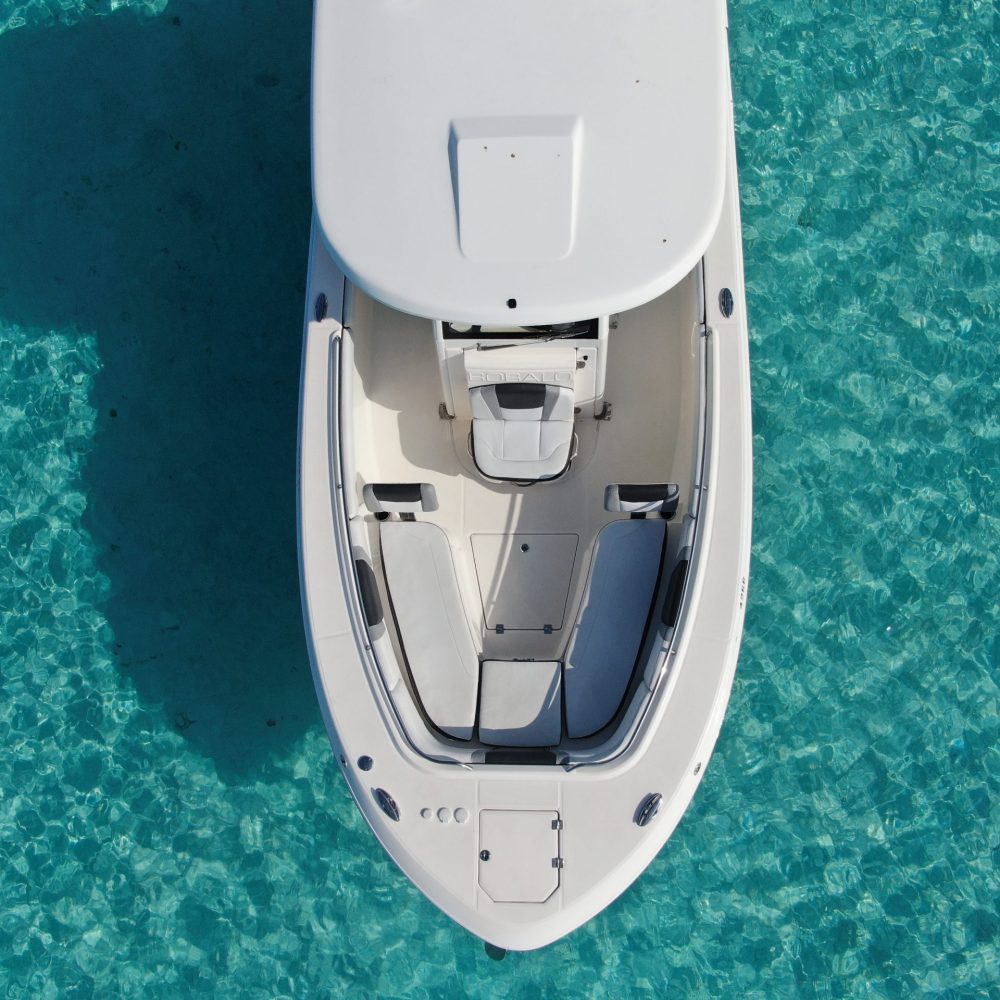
[{"x": 517, "y": 161}]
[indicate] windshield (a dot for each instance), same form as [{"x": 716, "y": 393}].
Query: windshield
[{"x": 585, "y": 329}]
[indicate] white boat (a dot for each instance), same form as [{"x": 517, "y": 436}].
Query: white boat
[{"x": 525, "y": 445}]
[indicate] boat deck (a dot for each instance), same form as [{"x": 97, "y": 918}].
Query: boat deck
[{"x": 522, "y": 554}]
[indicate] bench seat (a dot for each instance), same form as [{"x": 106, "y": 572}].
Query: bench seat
[
  {"x": 608, "y": 634},
  {"x": 433, "y": 629},
  {"x": 520, "y": 704}
]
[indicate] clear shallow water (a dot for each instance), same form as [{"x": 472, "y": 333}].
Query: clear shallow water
[{"x": 171, "y": 822}]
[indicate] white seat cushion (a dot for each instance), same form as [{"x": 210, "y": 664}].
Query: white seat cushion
[
  {"x": 522, "y": 431},
  {"x": 520, "y": 705},
  {"x": 432, "y": 625},
  {"x": 605, "y": 643}
]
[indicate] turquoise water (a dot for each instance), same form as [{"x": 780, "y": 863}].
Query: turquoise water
[{"x": 171, "y": 821}]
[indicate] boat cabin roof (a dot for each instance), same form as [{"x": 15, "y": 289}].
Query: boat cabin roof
[{"x": 515, "y": 161}]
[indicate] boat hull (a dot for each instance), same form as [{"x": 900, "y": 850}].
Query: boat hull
[{"x": 442, "y": 811}]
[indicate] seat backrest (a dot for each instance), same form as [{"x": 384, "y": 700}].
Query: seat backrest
[
  {"x": 642, "y": 498},
  {"x": 399, "y": 498},
  {"x": 521, "y": 401}
]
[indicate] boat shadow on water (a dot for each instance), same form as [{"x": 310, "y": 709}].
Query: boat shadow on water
[{"x": 156, "y": 195}]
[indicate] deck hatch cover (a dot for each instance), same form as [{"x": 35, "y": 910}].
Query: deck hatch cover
[
  {"x": 519, "y": 858},
  {"x": 524, "y": 578}
]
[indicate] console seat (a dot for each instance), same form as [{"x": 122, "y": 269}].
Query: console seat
[{"x": 522, "y": 432}]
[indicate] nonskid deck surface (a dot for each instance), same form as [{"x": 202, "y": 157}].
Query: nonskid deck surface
[{"x": 522, "y": 554}]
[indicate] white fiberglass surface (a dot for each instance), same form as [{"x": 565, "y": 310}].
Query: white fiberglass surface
[{"x": 568, "y": 156}]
